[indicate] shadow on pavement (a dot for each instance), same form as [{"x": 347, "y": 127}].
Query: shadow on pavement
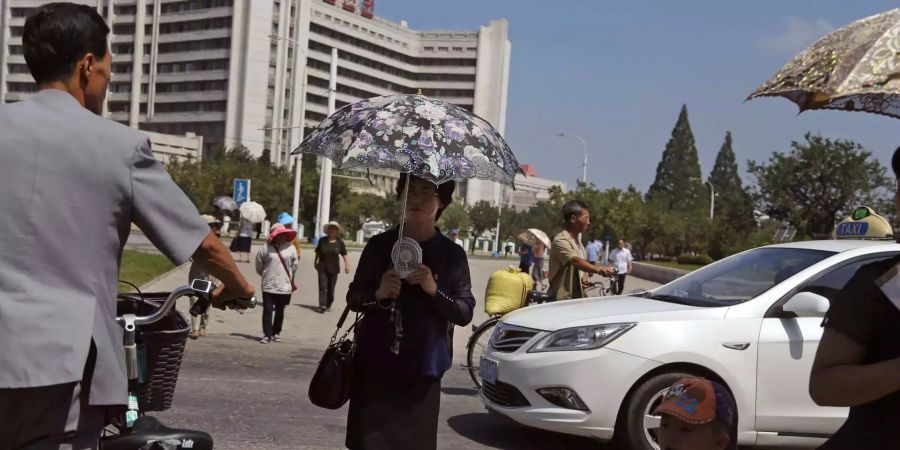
[
  {"x": 496, "y": 431},
  {"x": 245, "y": 336},
  {"x": 309, "y": 307},
  {"x": 470, "y": 392}
]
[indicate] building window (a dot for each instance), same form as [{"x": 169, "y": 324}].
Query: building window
[
  {"x": 22, "y": 87},
  {"x": 429, "y": 49},
  {"x": 16, "y": 50},
  {"x": 214, "y": 106},
  {"x": 442, "y": 49},
  {"x": 17, "y": 68},
  {"x": 457, "y": 49},
  {"x": 124, "y": 10},
  {"x": 16, "y": 31},
  {"x": 21, "y": 12}
]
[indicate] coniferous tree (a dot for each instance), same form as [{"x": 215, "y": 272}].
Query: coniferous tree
[
  {"x": 733, "y": 202},
  {"x": 676, "y": 186}
]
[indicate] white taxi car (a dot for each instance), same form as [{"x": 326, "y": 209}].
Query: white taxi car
[{"x": 597, "y": 367}]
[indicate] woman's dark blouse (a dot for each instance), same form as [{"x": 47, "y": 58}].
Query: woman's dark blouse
[
  {"x": 426, "y": 348},
  {"x": 863, "y": 313}
]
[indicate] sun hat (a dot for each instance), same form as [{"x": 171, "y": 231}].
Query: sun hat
[
  {"x": 333, "y": 224},
  {"x": 285, "y": 219},
  {"x": 210, "y": 220},
  {"x": 698, "y": 401},
  {"x": 278, "y": 229}
]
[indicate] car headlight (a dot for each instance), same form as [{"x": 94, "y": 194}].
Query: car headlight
[{"x": 581, "y": 338}]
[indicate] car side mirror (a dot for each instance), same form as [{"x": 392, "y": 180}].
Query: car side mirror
[{"x": 807, "y": 304}]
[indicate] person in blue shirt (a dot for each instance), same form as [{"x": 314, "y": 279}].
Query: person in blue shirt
[
  {"x": 594, "y": 250},
  {"x": 405, "y": 339},
  {"x": 526, "y": 257}
]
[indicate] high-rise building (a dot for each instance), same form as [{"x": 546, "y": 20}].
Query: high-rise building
[{"x": 253, "y": 72}]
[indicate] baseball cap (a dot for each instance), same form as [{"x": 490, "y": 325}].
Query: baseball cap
[{"x": 698, "y": 401}]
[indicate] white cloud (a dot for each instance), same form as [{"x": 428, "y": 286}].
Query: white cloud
[{"x": 798, "y": 35}]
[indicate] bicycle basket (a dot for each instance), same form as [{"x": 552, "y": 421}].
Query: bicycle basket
[{"x": 160, "y": 348}]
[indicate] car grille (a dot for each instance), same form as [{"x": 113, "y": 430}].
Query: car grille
[
  {"x": 509, "y": 338},
  {"x": 504, "y": 394}
]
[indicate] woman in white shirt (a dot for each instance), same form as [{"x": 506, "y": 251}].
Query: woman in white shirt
[{"x": 277, "y": 264}]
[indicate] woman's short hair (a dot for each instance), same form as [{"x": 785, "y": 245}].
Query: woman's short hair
[
  {"x": 58, "y": 35},
  {"x": 444, "y": 191}
]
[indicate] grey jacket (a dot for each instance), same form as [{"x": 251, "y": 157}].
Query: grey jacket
[{"x": 72, "y": 183}]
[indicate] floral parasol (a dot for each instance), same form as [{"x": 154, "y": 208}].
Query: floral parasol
[
  {"x": 426, "y": 137},
  {"x": 855, "y": 68}
]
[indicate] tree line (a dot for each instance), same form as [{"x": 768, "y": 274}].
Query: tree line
[{"x": 810, "y": 186}]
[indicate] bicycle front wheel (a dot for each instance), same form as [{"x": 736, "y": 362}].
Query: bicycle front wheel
[{"x": 478, "y": 343}]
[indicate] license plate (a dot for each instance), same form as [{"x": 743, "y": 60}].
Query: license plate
[{"x": 488, "y": 370}]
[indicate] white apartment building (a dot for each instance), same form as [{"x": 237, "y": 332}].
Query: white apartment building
[{"x": 255, "y": 73}]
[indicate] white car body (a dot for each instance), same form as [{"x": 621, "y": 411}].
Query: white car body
[{"x": 764, "y": 360}]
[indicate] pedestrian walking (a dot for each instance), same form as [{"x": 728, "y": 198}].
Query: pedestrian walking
[
  {"x": 538, "y": 272},
  {"x": 276, "y": 262},
  {"x": 621, "y": 259},
  {"x": 858, "y": 359},
  {"x": 73, "y": 183},
  {"x": 243, "y": 241},
  {"x": 454, "y": 236},
  {"x": 697, "y": 414},
  {"x": 329, "y": 251},
  {"x": 568, "y": 255},
  {"x": 526, "y": 258},
  {"x": 199, "y": 272},
  {"x": 594, "y": 250},
  {"x": 405, "y": 338}
]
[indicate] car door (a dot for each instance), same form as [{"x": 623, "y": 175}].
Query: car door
[{"x": 787, "y": 347}]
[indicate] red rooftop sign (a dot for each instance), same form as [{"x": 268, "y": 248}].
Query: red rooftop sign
[{"x": 366, "y": 7}]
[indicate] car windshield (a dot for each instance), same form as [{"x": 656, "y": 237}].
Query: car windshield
[{"x": 739, "y": 278}]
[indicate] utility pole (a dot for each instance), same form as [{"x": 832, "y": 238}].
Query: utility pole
[
  {"x": 584, "y": 162},
  {"x": 712, "y": 196},
  {"x": 324, "y": 210}
]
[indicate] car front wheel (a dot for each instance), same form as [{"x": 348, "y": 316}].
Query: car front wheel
[{"x": 637, "y": 430}]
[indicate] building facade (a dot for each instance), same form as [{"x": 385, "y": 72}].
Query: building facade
[{"x": 255, "y": 73}]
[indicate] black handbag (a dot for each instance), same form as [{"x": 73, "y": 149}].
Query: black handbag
[{"x": 330, "y": 386}]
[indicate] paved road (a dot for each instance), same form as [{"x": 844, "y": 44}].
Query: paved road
[{"x": 250, "y": 395}]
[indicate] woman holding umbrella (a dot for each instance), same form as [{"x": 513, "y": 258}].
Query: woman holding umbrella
[
  {"x": 395, "y": 398},
  {"x": 412, "y": 283},
  {"x": 329, "y": 251}
]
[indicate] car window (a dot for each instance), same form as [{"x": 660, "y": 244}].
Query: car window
[
  {"x": 831, "y": 283},
  {"x": 738, "y": 278}
]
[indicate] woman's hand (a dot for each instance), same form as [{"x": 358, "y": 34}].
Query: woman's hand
[
  {"x": 390, "y": 285},
  {"x": 423, "y": 277}
]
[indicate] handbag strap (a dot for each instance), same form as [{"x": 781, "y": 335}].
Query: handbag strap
[{"x": 284, "y": 264}]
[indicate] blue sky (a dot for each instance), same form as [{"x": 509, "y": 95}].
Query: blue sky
[{"x": 617, "y": 73}]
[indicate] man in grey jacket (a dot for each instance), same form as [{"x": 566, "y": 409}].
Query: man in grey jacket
[{"x": 73, "y": 183}]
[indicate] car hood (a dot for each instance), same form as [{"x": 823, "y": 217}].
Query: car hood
[{"x": 593, "y": 311}]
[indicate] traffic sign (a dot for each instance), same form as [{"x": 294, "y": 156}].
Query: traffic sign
[{"x": 241, "y": 190}]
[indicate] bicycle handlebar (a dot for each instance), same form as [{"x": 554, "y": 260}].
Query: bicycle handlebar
[{"x": 167, "y": 305}]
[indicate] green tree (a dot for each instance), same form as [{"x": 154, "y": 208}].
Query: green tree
[
  {"x": 675, "y": 186},
  {"x": 356, "y": 209},
  {"x": 455, "y": 216},
  {"x": 818, "y": 183},
  {"x": 734, "y": 205},
  {"x": 483, "y": 217}
]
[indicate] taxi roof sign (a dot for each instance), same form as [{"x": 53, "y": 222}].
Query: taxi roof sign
[{"x": 864, "y": 223}]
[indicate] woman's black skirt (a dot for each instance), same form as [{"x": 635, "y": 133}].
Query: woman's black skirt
[
  {"x": 393, "y": 414},
  {"x": 241, "y": 244}
]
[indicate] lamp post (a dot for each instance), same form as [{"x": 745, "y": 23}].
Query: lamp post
[
  {"x": 584, "y": 163},
  {"x": 298, "y": 169},
  {"x": 712, "y": 196}
]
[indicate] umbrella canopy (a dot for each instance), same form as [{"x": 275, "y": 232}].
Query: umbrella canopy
[
  {"x": 426, "y": 137},
  {"x": 225, "y": 203},
  {"x": 533, "y": 236},
  {"x": 856, "y": 68},
  {"x": 253, "y": 212}
]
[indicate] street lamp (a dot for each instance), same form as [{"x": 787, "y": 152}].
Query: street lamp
[
  {"x": 583, "y": 164},
  {"x": 298, "y": 169},
  {"x": 712, "y": 196}
]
